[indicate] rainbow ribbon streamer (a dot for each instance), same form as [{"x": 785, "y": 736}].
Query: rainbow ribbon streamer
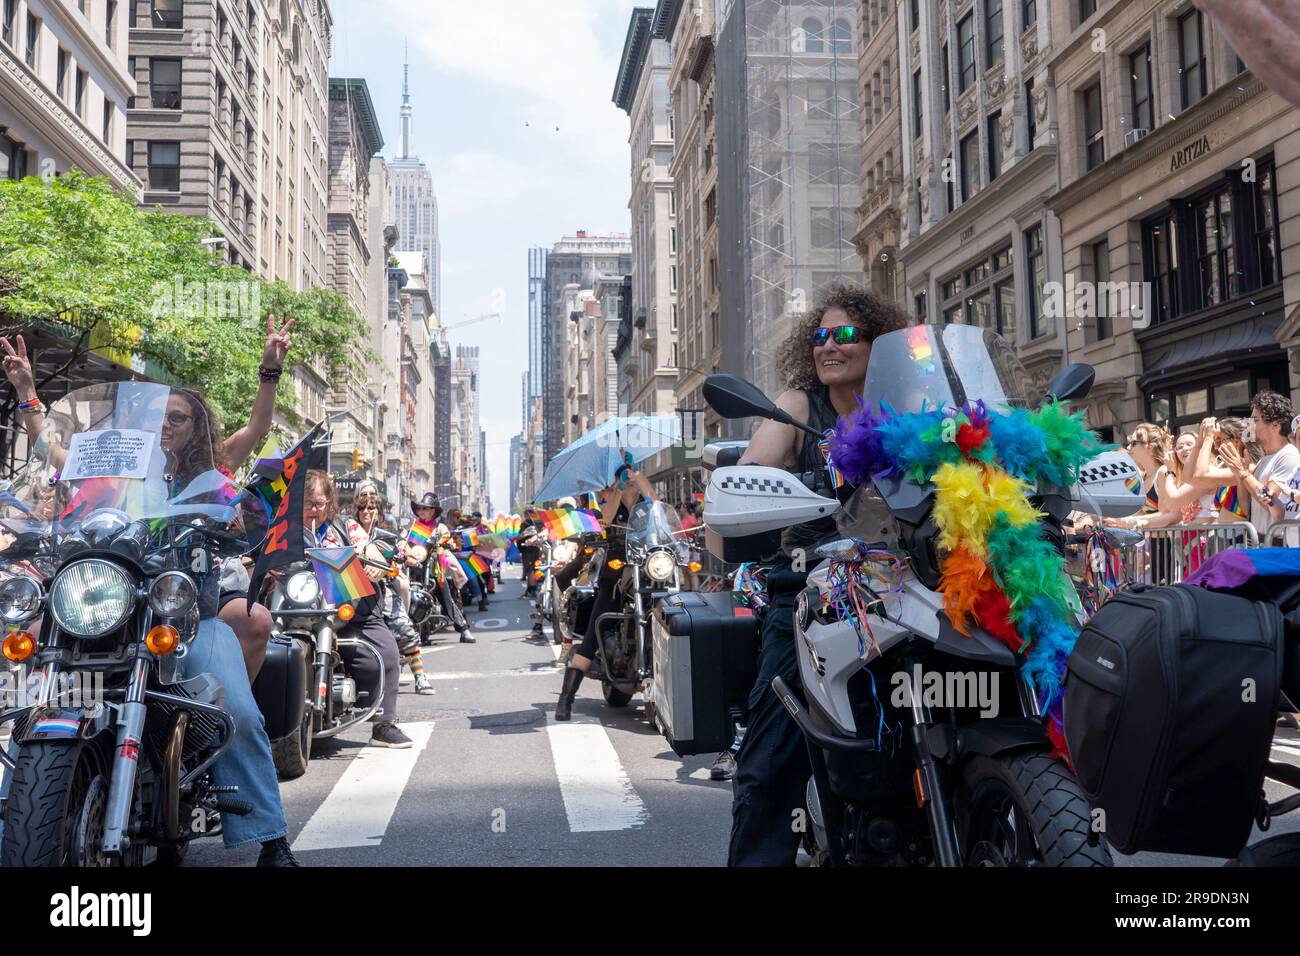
[
  {"x": 341, "y": 575},
  {"x": 824, "y": 446}
]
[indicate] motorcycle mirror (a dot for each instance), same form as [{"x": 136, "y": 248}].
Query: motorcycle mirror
[
  {"x": 1070, "y": 383},
  {"x": 733, "y": 397}
]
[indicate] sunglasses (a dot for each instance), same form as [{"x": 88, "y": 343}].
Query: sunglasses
[
  {"x": 843, "y": 335},
  {"x": 177, "y": 419}
]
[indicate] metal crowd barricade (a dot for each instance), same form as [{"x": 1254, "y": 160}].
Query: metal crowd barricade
[
  {"x": 1283, "y": 534},
  {"x": 1168, "y": 555}
]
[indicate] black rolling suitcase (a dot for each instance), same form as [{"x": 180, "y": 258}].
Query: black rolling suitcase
[{"x": 1170, "y": 701}]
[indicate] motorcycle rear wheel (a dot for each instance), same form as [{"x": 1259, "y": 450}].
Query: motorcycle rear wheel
[
  {"x": 47, "y": 801},
  {"x": 291, "y": 754},
  {"x": 1025, "y": 809}
]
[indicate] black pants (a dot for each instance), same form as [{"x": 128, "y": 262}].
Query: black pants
[
  {"x": 772, "y": 768},
  {"x": 363, "y": 668},
  {"x": 446, "y": 596},
  {"x": 528, "y": 557},
  {"x": 605, "y": 602}
]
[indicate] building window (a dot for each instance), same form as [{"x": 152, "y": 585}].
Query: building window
[
  {"x": 110, "y": 20},
  {"x": 165, "y": 166},
  {"x": 970, "y": 166},
  {"x": 33, "y": 34},
  {"x": 1093, "y": 133},
  {"x": 914, "y": 20},
  {"x": 841, "y": 37},
  {"x": 673, "y": 312},
  {"x": 1216, "y": 258},
  {"x": 130, "y": 153},
  {"x": 1161, "y": 241},
  {"x": 108, "y": 121},
  {"x": 61, "y": 75},
  {"x": 994, "y": 133},
  {"x": 672, "y": 278},
  {"x": 947, "y": 82},
  {"x": 950, "y": 181},
  {"x": 992, "y": 33},
  {"x": 80, "y": 105},
  {"x": 1266, "y": 244},
  {"x": 1029, "y": 14},
  {"x": 1086, "y": 9},
  {"x": 1191, "y": 59},
  {"x": 918, "y": 115},
  {"x": 168, "y": 14},
  {"x": 919, "y": 310},
  {"x": 966, "y": 53},
  {"x": 1140, "y": 88},
  {"x": 7, "y": 26},
  {"x": 1036, "y": 277},
  {"x": 165, "y": 84},
  {"x": 1031, "y": 117},
  {"x": 1102, "y": 328},
  {"x": 812, "y": 36},
  {"x": 13, "y": 159}
]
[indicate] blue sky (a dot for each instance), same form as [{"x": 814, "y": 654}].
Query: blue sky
[{"x": 513, "y": 115}]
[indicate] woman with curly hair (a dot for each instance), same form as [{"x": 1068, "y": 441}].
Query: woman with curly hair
[{"x": 824, "y": 363}]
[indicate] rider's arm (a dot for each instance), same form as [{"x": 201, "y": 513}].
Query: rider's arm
[
  {"x": 240, "y": 445},
  {"x": 775, "y": 444}
]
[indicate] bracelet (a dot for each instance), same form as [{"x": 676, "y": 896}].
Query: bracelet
[
  {"x": 34, "y": 406},
  {"x": 269, "y": 374}
]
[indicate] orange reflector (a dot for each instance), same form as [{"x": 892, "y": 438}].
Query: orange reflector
[
  {"x": 588, "y": 550},
  {"x": 347, "y": 612},
  {"x": 616, "y": 565},
  {"x": 695, "y": 566},
  {"x": 162, "y": 639},
  {"x": 916, "y": 785},
  {"x": 538, "y": 575},
  {"x": 19, "y": 646}
]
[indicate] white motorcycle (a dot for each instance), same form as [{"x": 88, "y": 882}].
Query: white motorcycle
[{"x": 901, "y": 776}]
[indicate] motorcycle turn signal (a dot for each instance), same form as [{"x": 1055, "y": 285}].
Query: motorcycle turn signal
[{"x": 19, "y": 646}]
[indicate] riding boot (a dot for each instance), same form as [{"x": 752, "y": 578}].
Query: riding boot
[{"x": 564, "y": 706}]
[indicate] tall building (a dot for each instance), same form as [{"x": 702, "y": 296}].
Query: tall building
[
  {"x": 516, "y": 471},
  {"x": 415, "y": 206},
  {"x": 538, "y": 312},
  {"x": 608, "y": 385},
  {"x": 418, "y": 366},
  {"x": 787, "y": 150},
  {"x": 442, "y": 410},
  {"x": 235, "y": 128},
  {"x": 978, "y": 119},
  {"x": 641, "y": 90},
  {"x": 65, "y": 86},
  {"x": 579, "y": 359},
  {"x": 879, "y": 114},
  {"x": 693, "y": 210},
  {"x": 354, "y": 140},
  {"x": 1199, "y": 252},
  {"x": 380, "y": 239},
  {"x": 576, "y": 260}
]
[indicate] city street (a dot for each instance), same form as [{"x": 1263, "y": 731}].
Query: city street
[{"x": 494, "y": 781}]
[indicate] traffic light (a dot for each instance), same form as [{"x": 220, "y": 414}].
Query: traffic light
[{"x": 356, "y": 459}]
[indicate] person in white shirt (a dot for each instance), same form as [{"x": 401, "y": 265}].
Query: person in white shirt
[{"x": 1269, "y": 480}]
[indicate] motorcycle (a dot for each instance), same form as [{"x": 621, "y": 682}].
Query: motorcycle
[
  {"x": 655, "y": 556},
  {"x": 571, "y": 585},
  {"x": 106, "y": 564},
  {"x": 434, "y": 607},
  {"x": 906, "y": 778}
]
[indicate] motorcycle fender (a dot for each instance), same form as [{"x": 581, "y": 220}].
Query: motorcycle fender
[
  {"x": 989, "y": 738},
  {"x": 64, "y": 724}
]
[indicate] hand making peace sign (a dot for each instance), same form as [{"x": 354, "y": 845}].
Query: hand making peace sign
[
  {"x": 18, "y": 368},
  {"x": 277, "y": 343}
]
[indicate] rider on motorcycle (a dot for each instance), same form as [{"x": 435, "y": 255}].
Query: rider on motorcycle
[
  {"x": 332, "y": 529},
  {"x": 428, "y": 510},
  {"x": 457, "y": 523},
  {"x": 617, "y": 502},
  {"x": 824, "y": 364}
]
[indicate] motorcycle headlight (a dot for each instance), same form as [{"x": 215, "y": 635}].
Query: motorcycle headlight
[
  {"x": 302, "y": 589},
  {"x": 660, "y": 564},
  {"x": 91, "y": 598},
  {"x": 20, "y": 600},
  {"x": 172, "y": 594}
]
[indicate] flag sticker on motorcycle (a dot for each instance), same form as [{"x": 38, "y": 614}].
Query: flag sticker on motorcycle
[{"x": 56, "y": 727}]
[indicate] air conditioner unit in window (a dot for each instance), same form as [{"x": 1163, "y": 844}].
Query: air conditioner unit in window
[{"x": 1133, "y": 135}]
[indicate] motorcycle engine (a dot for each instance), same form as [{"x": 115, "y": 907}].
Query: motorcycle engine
[
  {"x": 421, "y": 605},
  {"x": 345, "y": 693}
]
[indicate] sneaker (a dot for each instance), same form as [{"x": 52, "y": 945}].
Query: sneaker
[
  {"x": 423, "y": 685},
  {"x": 724, "y": 767},
  {"x": 276, "y": 853},
  {"x": 1288, "y": 720},
  {"x": 386, "y": 734}
]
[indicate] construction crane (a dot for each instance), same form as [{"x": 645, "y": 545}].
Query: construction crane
[{"x": 481, "y": 318}]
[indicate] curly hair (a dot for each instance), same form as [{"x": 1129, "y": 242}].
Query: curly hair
[
  {"x": 206, "y": 439},
  {"x": 1275, "y": 408},
  {"x": 868, "y": 310}
]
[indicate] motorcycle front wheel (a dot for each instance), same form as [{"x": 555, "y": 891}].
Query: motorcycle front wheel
[
  {"x": 54, "y": 815},
  {"x": 1025, "y": 809}
]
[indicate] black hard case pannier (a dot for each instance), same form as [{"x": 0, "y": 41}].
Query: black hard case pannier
[
  {"x": 281, "y": 686},
  {"x": 705, "y": 664},
  {"x": 1170, "y": 701}
]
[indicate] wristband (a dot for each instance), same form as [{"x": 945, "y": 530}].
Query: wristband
[
  {"x": 33, "y": 406},
  {"x": 269, "y": 374}
]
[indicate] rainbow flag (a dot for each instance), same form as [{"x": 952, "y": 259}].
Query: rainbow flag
[
  {"x": 421, "y": 533},
  {"x": 561, "y": 523},
  {"x": 474, "y": 565},
  {"x": 341, "y": 575}
]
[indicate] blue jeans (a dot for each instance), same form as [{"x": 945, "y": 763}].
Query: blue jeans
[{"x": 247, "y": 763}]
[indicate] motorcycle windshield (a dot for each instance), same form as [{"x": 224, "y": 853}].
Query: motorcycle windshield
[
  {"x": 653, "y": 524},
  {"x": 26, "y": 514},
  {"x": 136, "y": 454},
  {"x": 932, "y": 367}
]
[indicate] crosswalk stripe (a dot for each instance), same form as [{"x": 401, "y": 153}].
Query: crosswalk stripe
[
  {"x": 597, "y": 792},
  {"x": 359, "y": 808}
]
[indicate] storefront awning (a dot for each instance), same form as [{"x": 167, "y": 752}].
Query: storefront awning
[{"x": 1209, "y": 348}]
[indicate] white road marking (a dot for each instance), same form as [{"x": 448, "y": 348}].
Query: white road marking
[
  {"x": 1292, "y": 749},
  {"x": 598, "y": 794},
  {"x": 492, "y": 623},
  {"x": 489, "y": 675},
  {"x": 556, "y": 649},
  {"x": 358, "y": 809}
]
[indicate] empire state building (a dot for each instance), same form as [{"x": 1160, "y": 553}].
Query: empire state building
[{"x": 415, "y": 206}]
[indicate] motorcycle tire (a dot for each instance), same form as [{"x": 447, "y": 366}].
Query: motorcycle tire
[
  {"x": 615, "y": 697},
  {"x": 1281, "y": 850},
  {"x": 47, "y": 793},
  {"x": 1043, "y": 800},
  {"x": 291, "y": 754}
]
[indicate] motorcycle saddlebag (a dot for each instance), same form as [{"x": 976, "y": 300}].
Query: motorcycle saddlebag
[
  {"x": 1170, "y": 701},
  {"x": 705, "y": 664},
  {"x": 281, "y": 686}
]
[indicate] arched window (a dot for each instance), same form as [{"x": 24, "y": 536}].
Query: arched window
[
  {"x": 812, "y": 36},
  {"x": 841, "y": 37}
]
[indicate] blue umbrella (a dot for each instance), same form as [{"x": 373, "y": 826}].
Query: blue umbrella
[{"x": 590, "y": 462}]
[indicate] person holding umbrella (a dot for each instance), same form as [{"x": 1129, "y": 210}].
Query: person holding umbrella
[{"x": 616, "y": 504}]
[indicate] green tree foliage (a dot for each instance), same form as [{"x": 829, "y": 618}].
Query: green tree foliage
[{"x": 79, "y": 256}]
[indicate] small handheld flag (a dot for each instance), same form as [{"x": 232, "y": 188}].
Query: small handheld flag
[
  {"x": 421, "y": 533},
  {"x": 341, "y": 575}
]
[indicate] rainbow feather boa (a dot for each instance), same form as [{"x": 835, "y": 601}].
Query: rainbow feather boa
[{"x": 996, "y": 571}]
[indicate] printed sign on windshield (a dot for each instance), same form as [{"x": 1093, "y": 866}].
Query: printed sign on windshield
[{"x": 111, "y": 453}]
